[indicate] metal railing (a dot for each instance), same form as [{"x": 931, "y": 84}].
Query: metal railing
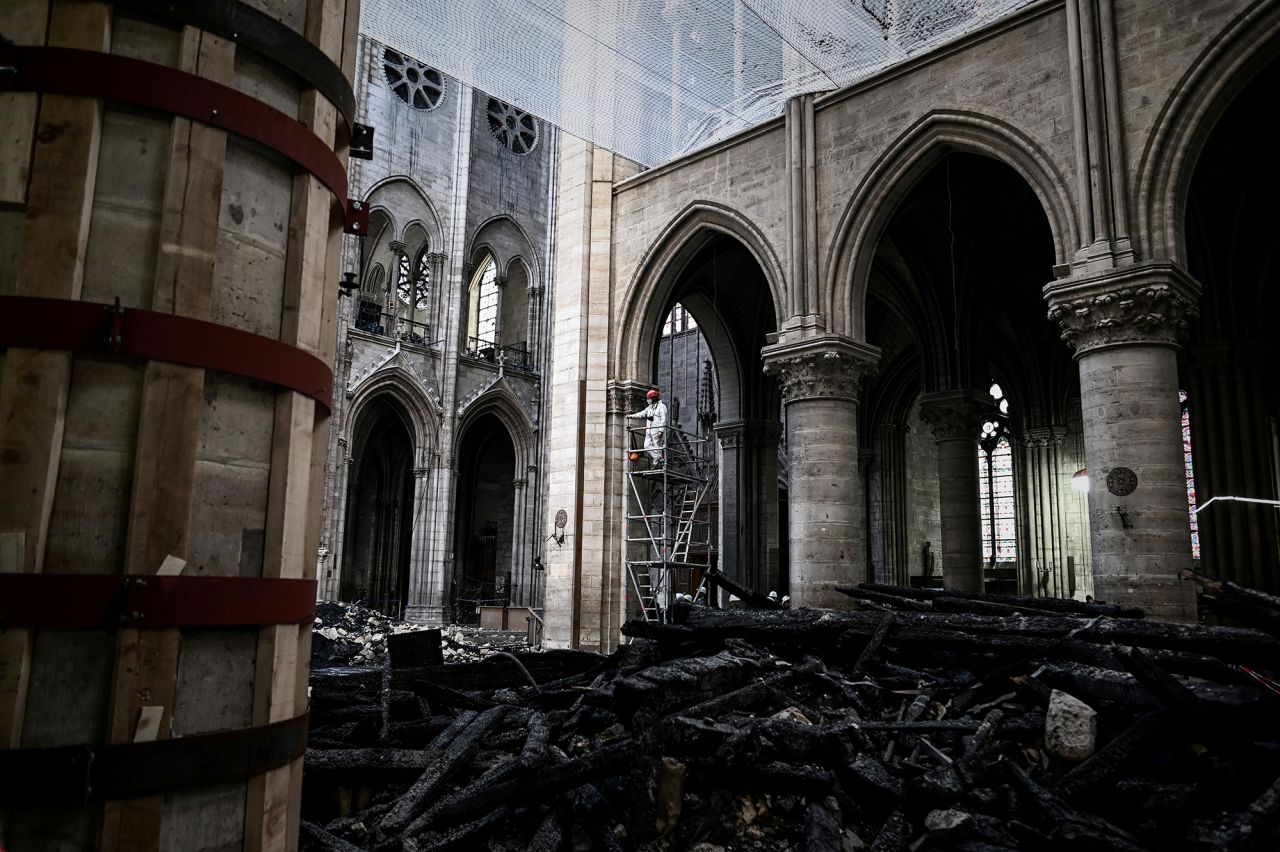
[
  {"x": 535, "y": 628},
  {"x": 471, "y": 593},
  {"x": 396, "y": 328},
  {"x": 515, "y": 355}
]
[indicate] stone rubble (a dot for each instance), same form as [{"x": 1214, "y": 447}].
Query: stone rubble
[{"x": 354, "y": 635}]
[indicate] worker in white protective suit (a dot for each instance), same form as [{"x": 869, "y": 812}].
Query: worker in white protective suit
[{"x": 655, "y": 433}]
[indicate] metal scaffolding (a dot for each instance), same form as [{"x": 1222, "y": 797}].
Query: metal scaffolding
[{"x": 668, "y": 517}]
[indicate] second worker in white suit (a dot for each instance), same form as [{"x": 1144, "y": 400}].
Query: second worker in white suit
[{"x": 655, "y": 433}]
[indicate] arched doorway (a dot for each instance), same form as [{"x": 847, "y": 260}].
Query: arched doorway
[
  {"x": 484, "y": 518},
  {"x": 1227, "y": 364},
  {"x": 954, "y": 303},
  {"x": 379, "y": 517},
  {"x": 717, "y": 313}
]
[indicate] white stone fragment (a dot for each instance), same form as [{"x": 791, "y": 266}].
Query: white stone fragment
[
  {"x": 1070, "y": 727},
  {"x": 946, "y": 820}
]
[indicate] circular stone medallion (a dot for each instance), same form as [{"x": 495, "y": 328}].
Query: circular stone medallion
[
  {"x": 562, "y": 518},
  {"x": 1122, "y": 481}
]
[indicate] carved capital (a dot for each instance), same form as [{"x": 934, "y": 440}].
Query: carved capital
[
  {"x": 956, "y": 415},
  {"x": 437, "y": 257},
  {"x": 519, "y": 483},
  {"x": 625, "y": 397},
  {"x": 397, "y": 246},
  {"x": 421, "y": 471},
  {"x": 734, "y": 434},
  {"x": 1044, "y": 436},
  {"x": 1147, "y": 304},
  {"x": 731, "y": 436},
  {"x": 826, "y": 367}
]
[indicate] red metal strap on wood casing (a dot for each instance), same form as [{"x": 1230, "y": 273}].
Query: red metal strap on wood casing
[
  {"x": 97, "y": 601},
  {"x": 92, "y": 328},
  {"x": 90, "y": 74}
]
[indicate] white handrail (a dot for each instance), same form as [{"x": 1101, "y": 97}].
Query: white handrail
[{"x": 1212, "y": 500}]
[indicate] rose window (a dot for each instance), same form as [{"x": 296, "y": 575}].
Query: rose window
[
  {"x": 515, "y": 128},
  {"x": 416, "y": 84}
]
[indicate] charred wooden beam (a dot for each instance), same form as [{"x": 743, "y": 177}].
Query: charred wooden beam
[
  {"x": 459, "y": 753},
  {"x": 1058, "y": 605}
]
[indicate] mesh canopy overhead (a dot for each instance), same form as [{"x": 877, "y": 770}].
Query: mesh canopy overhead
[{"x": 654, "y": 79}]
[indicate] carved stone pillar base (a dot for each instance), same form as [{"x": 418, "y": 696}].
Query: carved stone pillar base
[{"x": 820, "y": 378}]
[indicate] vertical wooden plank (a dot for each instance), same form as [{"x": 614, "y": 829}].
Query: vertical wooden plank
[
  {"x": 168, "y": 430},
  {"x": 26, "y": 22},
  {"x": 33, "y": 386},
  {"x": 292, "y": 508}
]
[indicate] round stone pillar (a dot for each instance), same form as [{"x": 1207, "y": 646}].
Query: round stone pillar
[
  {"x": 955, "y": 416},
  {"x": 820, "y": 379},
  {"x": 1124, "y": 326}
]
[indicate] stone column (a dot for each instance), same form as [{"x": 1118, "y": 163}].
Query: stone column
[
  {"x": 534, "y": 336},
  {"x": 1124, "y": 325},
  {"x": 330, "y": 584},
  {"x": 891, "y": 504},
  {"x": 749, "y": 502},
  {"x": 499, "y": 281},
  {"x": 820, "y": 377},
  {"x": 955, "y": 416},
  {"x": 422, "y": 607},
  {"x": 437, "y": 286},
  {"x": 393, "y": 285},
  {"x": 520, "y": 566}
]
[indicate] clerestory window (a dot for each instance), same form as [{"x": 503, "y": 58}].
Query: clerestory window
[
  {"x": 414, "y": 287},
  {"x": 482, "y": 312}
]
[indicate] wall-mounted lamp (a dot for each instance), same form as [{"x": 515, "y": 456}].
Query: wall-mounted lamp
[
  {"x": 1080, "y": 480},
  {"x": 348, "y": 284},
  {"x": 562, "y": 518}
]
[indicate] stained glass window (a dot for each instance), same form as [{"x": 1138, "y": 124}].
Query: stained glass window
[
  {"x": 418, "y": 284},
  {"x": 1189, "y": 472},
  {"x": 679, "y": 320},
  {"x": 483, "y": 319},
  {"x": 995, "y": 486}
]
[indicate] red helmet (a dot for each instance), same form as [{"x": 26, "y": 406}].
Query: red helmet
[{"x": 653, "y": 394}]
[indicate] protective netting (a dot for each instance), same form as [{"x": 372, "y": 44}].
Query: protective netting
[{"x": 653, "y": 79}]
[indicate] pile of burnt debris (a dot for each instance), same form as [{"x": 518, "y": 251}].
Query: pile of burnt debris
[
  {"x": 349, "y": 634},
  {"x": 919, "y": 720}
]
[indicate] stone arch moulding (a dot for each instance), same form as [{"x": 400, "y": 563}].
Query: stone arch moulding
[
  {"x": 500, "y": 401},
  {"x": 1200, "y": 97},
  {"x": 896, "y": 171},
  {"x": 502, "y": 237},
  {"x": 406, "y": 389},
  {"x": 517, "y": 264},
  {"x": 665, "y": 259},
  {"x": 387, "y": 192}
]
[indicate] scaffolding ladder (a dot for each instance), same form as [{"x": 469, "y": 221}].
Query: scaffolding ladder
[{"x": 668, "y": 525}]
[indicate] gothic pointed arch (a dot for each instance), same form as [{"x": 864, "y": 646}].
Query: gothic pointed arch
[
  {"x": 650, "y": 290},
  {"x": 504, "y": 239},
  {"x": 399, "y": 382},
  {"x": 1162, "y": 180},
  {"x": 402, "y": 195},
  {"x": 909, "y": 158},
  {"x": 501, "y": 401}
]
